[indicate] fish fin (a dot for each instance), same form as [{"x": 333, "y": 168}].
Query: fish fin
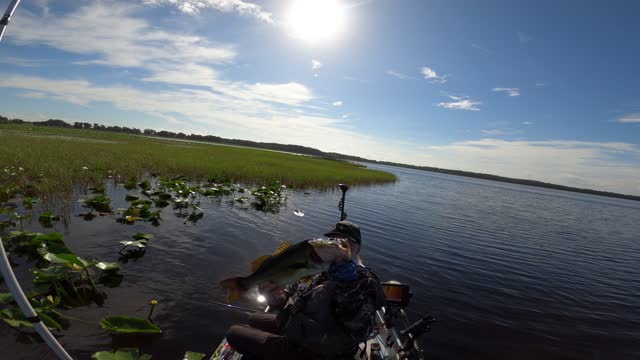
[
  {"x": 284, "y": 246},
  {"x": 234, "y": 288},
  {"x": 255, "y": 264},
  {"x": 298, "y": 266}
]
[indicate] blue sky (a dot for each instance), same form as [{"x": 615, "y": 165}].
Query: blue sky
[{"x": 544, "y": 90}]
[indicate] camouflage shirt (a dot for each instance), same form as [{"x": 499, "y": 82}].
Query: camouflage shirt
[{"x": 352, "y": 304}]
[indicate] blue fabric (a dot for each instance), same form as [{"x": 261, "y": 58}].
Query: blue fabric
[{"x": 344, "y": 271}]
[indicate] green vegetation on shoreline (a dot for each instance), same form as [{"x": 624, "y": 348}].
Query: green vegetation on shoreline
[
  {"x": 54, "y": 160},
  {"x": 311, "y": 152}
]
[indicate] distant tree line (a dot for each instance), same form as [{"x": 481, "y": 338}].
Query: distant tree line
[
  {"x": 172, "y": 135},
  {"x": 304, "y": 150}
]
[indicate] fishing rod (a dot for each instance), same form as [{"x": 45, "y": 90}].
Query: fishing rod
[
  {"x": 4, "y": 22},
  {"x": 344, "y": 188},
  {"x": 199, "y": 300},
  {"x": 30, "y": 314},
  {"x": 5, "y": 266}
]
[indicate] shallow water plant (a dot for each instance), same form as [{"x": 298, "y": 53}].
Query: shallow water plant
[
  {"x": 43, "y": 306},
  {"x": 139, "y": 242},
  {"x": 35, "y": 244},
  {"x": 190, "y": 355},
  {"x": 141, "y": 211},
  {"x": 128, "y": 325},
  {"x": 73, "y": 262},
  {"x": 129, "y": 197},
  {"x": 269, "y": 197},
  {"x": 131, "y": 183},
  {"x": 145, "y": 185},
  {"x": 121, "y": 354},
  {"x": 99, "y": 203},
  {"x": 47, "y": 218},
  {"x": 28, "y": 201}
]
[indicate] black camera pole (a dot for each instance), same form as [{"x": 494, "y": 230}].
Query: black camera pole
[{"x": 344, "y": 188}]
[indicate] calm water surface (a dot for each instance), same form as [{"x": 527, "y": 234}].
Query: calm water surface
[{"x": 511, "y": 272}]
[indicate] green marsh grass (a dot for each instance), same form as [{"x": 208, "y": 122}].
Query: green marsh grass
[{"x": 57, "y": 159}]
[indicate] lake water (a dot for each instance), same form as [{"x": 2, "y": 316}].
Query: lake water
[{"x": 509, "y": 271}]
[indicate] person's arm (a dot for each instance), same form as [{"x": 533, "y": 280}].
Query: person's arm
[{"x": 277, "y": 296}]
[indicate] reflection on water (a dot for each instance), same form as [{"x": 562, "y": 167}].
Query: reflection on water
[{"x": 509, "y": 271}]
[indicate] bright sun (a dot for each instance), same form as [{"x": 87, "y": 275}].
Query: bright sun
[{"x": 316, "y": 21}]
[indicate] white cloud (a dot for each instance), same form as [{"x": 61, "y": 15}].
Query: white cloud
[
  {"x": 527, "y": 123},
  {"x": 21, "y": 61},
  {"x": 193, "y": 7},
  {"x": 399, "y": 75},
  {"x": 605, "y": 166},
  {"x": 44, "y": 5},
  {"x": 34, "y": 95},
  {"x": 431, "y": 75},
  {"x": 90, "y": 30},
  {"x": 168, "y": 58},
  {"x": 508, "y": 91},
  {"x": 460, "y": 103},
  {"x": 337, "y": 103},
  {"x": 500, "y": 132},
  {"x": 633, "y": 118},
  {"x": 316, "y": 64}
]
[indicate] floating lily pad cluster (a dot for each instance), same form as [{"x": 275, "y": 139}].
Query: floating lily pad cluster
[
  {"x": 185, "y": 198},
  {"x": 10, "y": 216},
  {"x": 47, "y": 218},
  {"x": 97, "y": 202},
  {"x": 44, "y": 306},
  {"x": 59, "y": 271},
  {"x": 11, "y": 176},
  {"x": 121, "y": 354},
  {"x": 269, "y": 197},
  {"x": 63, "y": 279},
  {"x": 135, "y": 354},
  {"x": 137, "y": 246},
  {"x": 128, "y": 325}
]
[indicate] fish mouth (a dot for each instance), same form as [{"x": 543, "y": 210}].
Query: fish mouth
[{"x": 330, "y": 250}]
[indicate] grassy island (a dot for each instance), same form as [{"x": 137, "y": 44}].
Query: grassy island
[{"x": 54, "y": 160}]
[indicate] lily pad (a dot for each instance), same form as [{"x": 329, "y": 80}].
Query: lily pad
[
  {"x": 142, "y": 236},
  {"x": 141, "y": 202},
  {"x": 67, "y": 259},
  {"x": 121, "y": 354},
  {"x": 135, "y": 243},
  {"x": 108, "y": 266},
  {"x": 190, "y": 355},
  {"x": 51, "y": 273},
  {"x": 145, "y": 185},
  {"x": 6, "y": 298},
  {"x": 128, "y": 325},
  {"x": 14, "y": 318}
]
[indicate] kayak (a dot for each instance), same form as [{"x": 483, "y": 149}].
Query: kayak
[{"x": 393, "y": 337}]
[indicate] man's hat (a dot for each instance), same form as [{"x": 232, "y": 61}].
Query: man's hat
[{"x": 346, "y": 229}]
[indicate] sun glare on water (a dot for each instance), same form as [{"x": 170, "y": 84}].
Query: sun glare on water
[{"x": 316, "y": 21}]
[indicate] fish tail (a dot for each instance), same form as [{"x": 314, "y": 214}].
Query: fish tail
[{"x": 234, "y": 287}]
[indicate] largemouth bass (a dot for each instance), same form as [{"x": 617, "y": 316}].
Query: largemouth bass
[{"x": 288, "y": 264}]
